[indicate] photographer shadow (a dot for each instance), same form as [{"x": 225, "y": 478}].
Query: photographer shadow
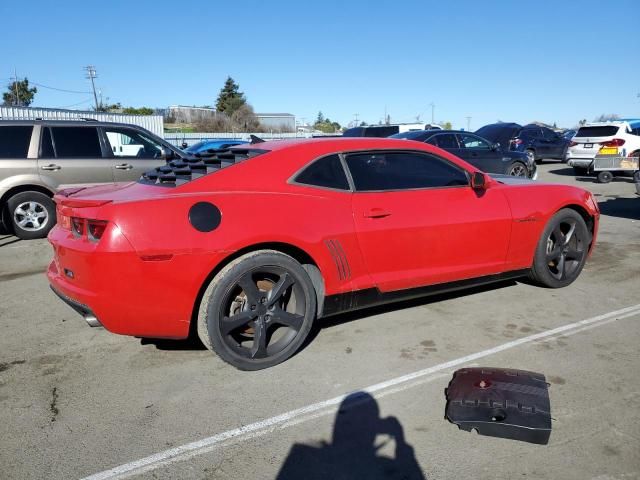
[{"x": 353, "y": 453}]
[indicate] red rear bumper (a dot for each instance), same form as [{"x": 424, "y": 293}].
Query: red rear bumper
[{"x": 126, "y": 294}]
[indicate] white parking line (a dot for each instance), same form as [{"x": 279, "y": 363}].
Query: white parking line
[{"x": 313, "y": 411}]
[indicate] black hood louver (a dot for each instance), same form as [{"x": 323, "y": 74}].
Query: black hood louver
[{"x": 180, "y": 171}]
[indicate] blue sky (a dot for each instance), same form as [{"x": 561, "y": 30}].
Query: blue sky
[{"x": 510, "y": 60}]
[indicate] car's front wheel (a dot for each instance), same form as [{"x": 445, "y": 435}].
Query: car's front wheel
[
  {"x": 260, "y": 310},
  {"x": 562, "y": 250},
  {"x": 32, "y": 214},
  {"x": 518, "y": 169}
]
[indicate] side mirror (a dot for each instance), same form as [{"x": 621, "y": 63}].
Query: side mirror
[
  {"x": 479, "y": 181},
  {"x": 495, "y": 146},
  {"x": 167, "y": 154}
]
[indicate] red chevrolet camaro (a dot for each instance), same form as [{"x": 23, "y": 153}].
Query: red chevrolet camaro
[{"x": 247, "y": 247}]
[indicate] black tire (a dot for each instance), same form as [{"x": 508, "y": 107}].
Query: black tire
[
  {"x": 243, "y": 291},
  {"x": 518, "y": 169},
  {"x": 31, "y": 215},
  {"x": 605, "y": 177},
  {"x": 580, "y": 171},
  {"x": 561, "y": 251},
  {"x": 531, "y": 155}
]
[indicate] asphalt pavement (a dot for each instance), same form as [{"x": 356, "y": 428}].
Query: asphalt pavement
[{"x": 78, "y": 402}]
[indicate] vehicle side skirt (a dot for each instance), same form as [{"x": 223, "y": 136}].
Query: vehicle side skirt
[{"x": 371, "y": 297}]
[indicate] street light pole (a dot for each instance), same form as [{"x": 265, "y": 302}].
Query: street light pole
[{"x": 91, "y": 74}]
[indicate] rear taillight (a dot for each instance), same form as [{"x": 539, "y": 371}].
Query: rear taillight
[
  {"x": 573, "y": 144},
  {"x": 95, "y": 229},
  {"x": 77, "y": 226},
  {"x": 616, "y": 142},
  {"x": 92, "y": 229}
]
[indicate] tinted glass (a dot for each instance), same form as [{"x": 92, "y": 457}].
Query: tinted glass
[
  {"x": 418, "y": 135},
  {"x": 549, "y": 134},
  {"x": 76, "y": 142},
  {"x": 14, "y": 141},
  {"x": 446, "y": 140},
  {"x": 499, "y": 132},
  {"x": 604, "y": 131},
  {"x": 529, "y": 133},
  {"x": 125, "y": 142},
  {"x": 46, "y": 147},
  {"x": 326, "y": 172},
  {"x": 471, "y": 141},
  {"x": 354, "y": 132},
  {"x": 402, "y": 170},
  {"x": 385, "y": 131}
]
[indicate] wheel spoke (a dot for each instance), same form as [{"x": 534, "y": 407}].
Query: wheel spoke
[
  {"x": 259, "y": 348},
  {"x": 558, "y": 235},
  {"x": 24, "y": 222},
  {"x": 41, "y": 214},
  {"x": 250, "y": 288},
  {"x": 569, "y": 234},
  {"x": 560, "y": 267},
  {"x": 287, "y": 319},
  {"x": 229, "y": 324},
  {"x": 573, "y": 254},
  {"x": 20, "y": 211},
  {"x": 553, "y": 254},
  {"x": 279, "y": 289},
  {"x": 32, "y": 207}
]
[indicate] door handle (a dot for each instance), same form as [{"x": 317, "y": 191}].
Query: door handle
[
  {"x": 474, "y": 154},
  {"x": 377, "y": 213},
  {"x": 124, "y": 166},
  {"x": 51, "y": 166}
]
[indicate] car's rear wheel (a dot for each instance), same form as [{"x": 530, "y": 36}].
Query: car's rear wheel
[
  {"x": 31, "y": 214},
  {"x": 562, "y": 250},
  {"x": 518, "y": 169},
  {"x": 260, "y": 310}
]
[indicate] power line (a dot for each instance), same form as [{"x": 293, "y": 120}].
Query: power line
[
  {"x": 58, "y": 89},
  {"x": 89, "y": 100}
]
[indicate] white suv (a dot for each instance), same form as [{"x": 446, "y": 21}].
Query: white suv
[{"x": 619, "y": 137}]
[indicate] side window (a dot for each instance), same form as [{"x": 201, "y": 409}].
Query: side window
[
  {"x": 471, "y": 141},
  {"x": 46, "y": 145},
  {"x": 14, "y": 141},
  {"x": 125, "y": 142},
  {"x": 635, "y": 131},
  {"x": 549, "y": 134},
  {"x": 403, "y": 170},
  {"x": 326, "y": 172},
  {"x": 76, "y": 142},
  {"x": 446, "y": 140}
]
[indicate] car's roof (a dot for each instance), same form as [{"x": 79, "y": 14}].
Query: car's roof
[{"x": 331, "y": 143}]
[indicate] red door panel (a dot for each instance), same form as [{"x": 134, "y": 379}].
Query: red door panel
[{"x": 419, "y": 237}]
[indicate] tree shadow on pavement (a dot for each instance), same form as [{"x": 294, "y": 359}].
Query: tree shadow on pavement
[{"x": 353, "y": 452}]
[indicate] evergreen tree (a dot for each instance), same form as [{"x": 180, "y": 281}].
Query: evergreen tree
[
  {"x": 230, "y": 98},
  {"x": 18, "y": 93}
]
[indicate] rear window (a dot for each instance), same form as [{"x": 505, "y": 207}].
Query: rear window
[
  {"x": 381, "y": 131},
  {"x": 603, "y": 131},
  {"x": 14, "y": 141},
  {"x": 419, "y": 135},
  {"x": 326, "y": 172},
  {"x": 76, "y": 142}
]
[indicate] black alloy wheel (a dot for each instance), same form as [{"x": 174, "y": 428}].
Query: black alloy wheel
[
  {"x": 260, "y": 310},
  {"x": 562, "y": 250},
  {"x": 518, "y": 169}
]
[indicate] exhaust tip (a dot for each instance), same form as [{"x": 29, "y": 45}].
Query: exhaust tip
[{"x": 92, "y": 321}]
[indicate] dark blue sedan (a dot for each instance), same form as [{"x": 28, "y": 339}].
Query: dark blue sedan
[{"x": 479, "y": 152}]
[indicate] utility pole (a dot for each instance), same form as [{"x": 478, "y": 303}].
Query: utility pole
[
  {"x": 433, "y": 108},
  {"x": 15, "y": 86},
  {"x": 91, "y": 74},
  {"x": 356, "y": 119},
  {"x": 468, "y": 123}
]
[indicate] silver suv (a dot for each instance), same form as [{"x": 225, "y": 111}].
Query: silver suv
[{"x": 39, "y": 157}]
